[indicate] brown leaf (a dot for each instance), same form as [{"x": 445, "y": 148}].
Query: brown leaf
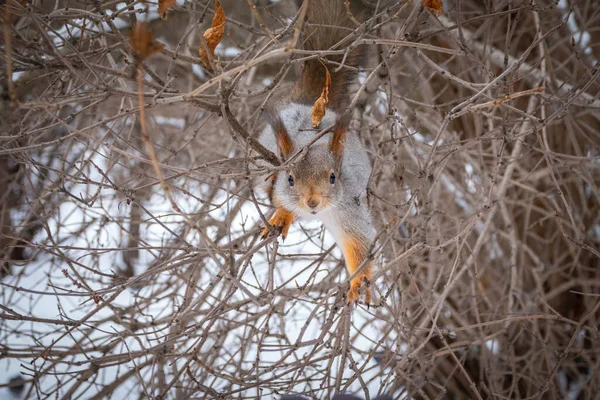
[
  {"x": 164, "y": 6},
  {"x": 434, "y": 6},
  {"x": 214, "y": 34},
  {"x": 319, "y": 108},
  {"x": 141, "y": 42}
]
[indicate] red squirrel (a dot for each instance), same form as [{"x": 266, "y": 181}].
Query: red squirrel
[{"x": 329, "y": 181}]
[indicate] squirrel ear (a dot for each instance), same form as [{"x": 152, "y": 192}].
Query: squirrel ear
[
  {"x": 284, "y": 142},
  {"x": 336, "y": 146}
]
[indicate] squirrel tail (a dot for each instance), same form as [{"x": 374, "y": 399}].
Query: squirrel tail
[{"x": 328, "y": 28}]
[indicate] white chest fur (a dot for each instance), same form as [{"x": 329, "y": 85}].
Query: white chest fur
[{"x": 327, "y": 218}]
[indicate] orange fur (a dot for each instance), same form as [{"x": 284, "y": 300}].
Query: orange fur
[
  {"x": 355, "y": 252},
  {"x": 285, "y": 142},
  {"x": 337, "y": 141},
  {"x": 281, "y": 221}
]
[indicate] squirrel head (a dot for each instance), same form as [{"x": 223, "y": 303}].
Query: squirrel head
[{"x": 313, "y": 182}]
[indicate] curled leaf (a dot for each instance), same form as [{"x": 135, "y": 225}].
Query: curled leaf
[
  {"x": 164, "y": 6},
  {"x": 319, "y": 108},
  {"x": 141, "y": 42},
  {"x": 214, "y": 34},
  {"x": 434, "y": 6}
]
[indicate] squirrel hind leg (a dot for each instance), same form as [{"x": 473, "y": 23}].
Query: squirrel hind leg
[
  {"x": 280, "y": 221},
  {"x": 355, "y": 253}
]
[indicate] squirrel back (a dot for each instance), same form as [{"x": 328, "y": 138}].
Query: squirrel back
[{"x": 328, "y": 27}]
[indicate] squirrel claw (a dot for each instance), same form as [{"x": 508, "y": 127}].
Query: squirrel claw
[
  {"x": 281, "y": 221},
  {"x": 368, "y": 298},
  {"x": 266, "y": 232},
  {"x": 354, "y": 292},
  {"x": 352, "y": 295},
  {"x": 281, "y": 230}
]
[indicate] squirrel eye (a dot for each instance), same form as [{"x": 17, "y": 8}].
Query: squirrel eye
[
  {"x": 291, "y": 180},
  {"x": 332, "y": 178}
]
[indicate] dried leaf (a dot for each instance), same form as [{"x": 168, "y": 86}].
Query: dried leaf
[
  {"x": 141, "y": 42},
  {"x": 214, "y": 34},
  {"x": 164, "y": 6},
  {"x": 319, "y": 108},
  {"x": 434, "y": 6}
]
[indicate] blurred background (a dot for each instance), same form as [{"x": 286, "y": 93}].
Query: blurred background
[{"x": 482, "y": 121}]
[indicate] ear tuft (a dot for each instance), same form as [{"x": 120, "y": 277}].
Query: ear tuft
[
  {"x": 336, "y": 146},
  {"x": 284, "y": 142}
]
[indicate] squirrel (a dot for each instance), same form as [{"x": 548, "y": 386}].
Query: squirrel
[{"x": 329, "y": 180}]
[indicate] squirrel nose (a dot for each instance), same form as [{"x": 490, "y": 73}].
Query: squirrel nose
[{"x": 312, "y": 202}]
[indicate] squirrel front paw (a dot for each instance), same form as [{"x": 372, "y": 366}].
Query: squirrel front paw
[
  {"x": 354, "y": 292},
  {"x": 280, "y": 221}
]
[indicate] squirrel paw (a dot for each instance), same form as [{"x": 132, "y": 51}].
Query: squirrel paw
[
  {"x": 280, "y": 221},
  {"x": 354, "y": 292}
]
